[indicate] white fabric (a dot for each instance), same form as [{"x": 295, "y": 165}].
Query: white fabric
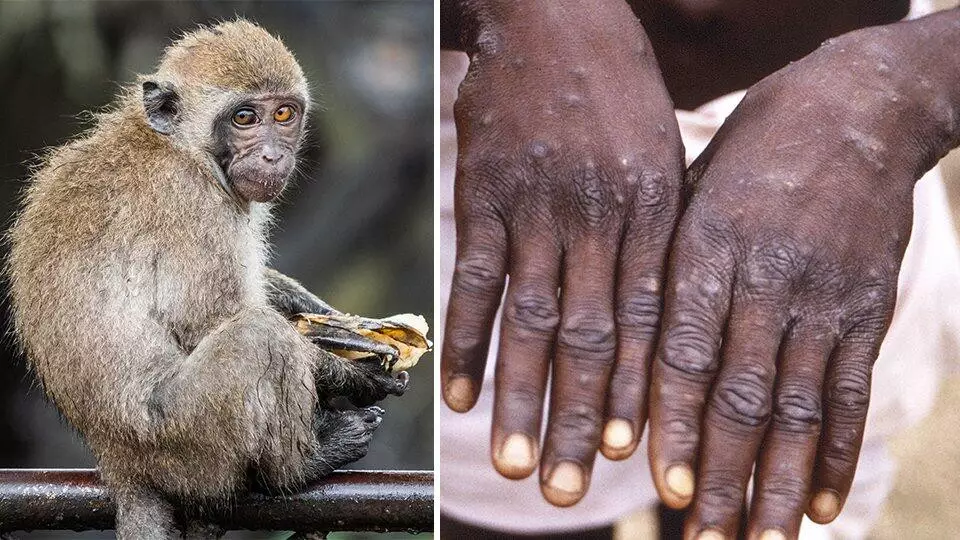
[{"x": 906, "y": 378}]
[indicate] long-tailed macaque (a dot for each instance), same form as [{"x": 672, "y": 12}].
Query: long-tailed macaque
[{"x": 143, "y": 302}]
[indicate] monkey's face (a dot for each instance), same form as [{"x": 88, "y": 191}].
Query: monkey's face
[{"x": 261, "y": 139}]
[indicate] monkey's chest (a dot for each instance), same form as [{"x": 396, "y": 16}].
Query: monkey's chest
[{"x": 195, "y": 294}]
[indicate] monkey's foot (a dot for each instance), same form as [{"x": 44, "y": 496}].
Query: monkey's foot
[{"x": 344, "y": 436}]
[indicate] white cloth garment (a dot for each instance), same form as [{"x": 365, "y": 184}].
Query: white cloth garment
[{"x": 921, "y": 340}]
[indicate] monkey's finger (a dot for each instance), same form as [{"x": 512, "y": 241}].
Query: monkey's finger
[
  {"x": 527, "y": 333},
  {"x": 474, "y": 299},
  {"x": 584, "y": 358},
  {"x": 640, "y": 275},
  {"x": 334, "y": 339}
]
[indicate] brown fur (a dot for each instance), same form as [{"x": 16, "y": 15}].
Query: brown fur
[{"x": 141, "y": 298}]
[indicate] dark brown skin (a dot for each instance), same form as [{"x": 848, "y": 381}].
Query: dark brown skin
[
  {"x": 788, "y": 255},
  {"x": 565, "y": 179},
  {"x": 788, "y": 252},
  {"x": 708, "y": 48}
]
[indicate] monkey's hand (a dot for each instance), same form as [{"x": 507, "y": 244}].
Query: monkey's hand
[
  {"x": 363, "y": 381},
  {"x": 399, "y": 340}
]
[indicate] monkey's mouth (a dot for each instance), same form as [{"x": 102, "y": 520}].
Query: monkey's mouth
[
  {"x": 256, "y": 181},
  {"x": 259, "y": 187}
]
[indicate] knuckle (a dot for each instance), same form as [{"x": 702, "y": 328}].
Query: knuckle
[
  {"x": 838, "y": 457},
  {"x": 743, "y": 397},
  {"x": 654, "y": 194},
  {"x": 577, "y": 421},
  {"x": 848, "y": 393},
  {"x": 690, "y": 346},
  {"x": 628, "y": 378},
  {"x": 797, "y": 408},
  {"x": 871, "y": 310},
  {"x": 785, "y": 491},
  {"x": 464, "y": 346},
  {"x": 594, "y": 199},
  {"x": 589, "y": 334},
  {"x": 534, "y": 313},
  {"x": 637, "y": 315},
  {"x": 521, "y": 396},
  {"x": 721, "y": 490},
  {"x": 774, "y": 265},
  {"x": 475, "y": 275},
  {"x": 680, "y": 432}
]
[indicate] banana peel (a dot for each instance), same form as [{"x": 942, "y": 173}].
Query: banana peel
[{"x": 405, "y": 333}]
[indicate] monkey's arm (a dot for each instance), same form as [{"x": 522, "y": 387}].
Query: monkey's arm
[{"x": 289, "y": 297}]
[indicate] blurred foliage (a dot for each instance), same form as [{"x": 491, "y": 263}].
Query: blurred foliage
[{"x": 356, "y": 228}]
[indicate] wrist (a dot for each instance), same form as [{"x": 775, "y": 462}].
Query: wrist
[
  {"x": 896, "y": 85},
  {"x": 929, "y": 59},
  {"x": 487, "y": 25}
]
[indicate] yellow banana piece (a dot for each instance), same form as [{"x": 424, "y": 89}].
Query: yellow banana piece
[{"x": 406, "y": 332}]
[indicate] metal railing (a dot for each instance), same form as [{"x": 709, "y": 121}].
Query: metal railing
[{"x": 75, "y": 499}]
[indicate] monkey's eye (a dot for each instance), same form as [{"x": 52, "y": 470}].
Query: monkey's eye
[
  {"x": 244, "y": 117},
  {"x": 283, "y": 114}
]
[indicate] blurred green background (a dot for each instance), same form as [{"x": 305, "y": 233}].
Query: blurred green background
[{"x": 357, "y": 227}]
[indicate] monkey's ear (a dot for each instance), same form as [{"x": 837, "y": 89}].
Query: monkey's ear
[{"x": 162, "y": 105}]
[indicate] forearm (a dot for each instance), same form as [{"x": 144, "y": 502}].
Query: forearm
[{"x": 289, "y": 297}]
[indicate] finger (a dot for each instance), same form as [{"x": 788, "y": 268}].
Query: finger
[
  {"x": 527, "y": 333},
  {"x": 736, "y": 415},
  {"x": 697, "y": 300},
  {"x": 584, "y": 358},
  {"x": 785, "y": 469},
  {"x": 846, "y": 399},
  {"x": 639, "y": 304},
  {"x": 474, "y": 299}
]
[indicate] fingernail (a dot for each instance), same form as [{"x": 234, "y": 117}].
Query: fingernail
[
  {"x": 772, "y": 534},
  {"x": 565, "y": 484},
  {"x": 618, "y": 434},
  {"x": 711, "y": 534},
  {"x": 458, "y": 393},
  {"x": 679, "y": 479},
  {"x": 824, "y": 506},
  {"x": 516, "y": 457}
]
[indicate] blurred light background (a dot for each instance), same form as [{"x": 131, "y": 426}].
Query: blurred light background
[{"x": 357, "y": 228}]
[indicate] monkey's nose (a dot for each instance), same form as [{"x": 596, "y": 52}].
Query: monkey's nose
[{"x": 271, "y": 156}]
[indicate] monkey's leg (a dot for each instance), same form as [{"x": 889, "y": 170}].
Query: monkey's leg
[
  {"x": 253, "y": 380},
  {"x": 289, "y": 297},
  {"x": 144, "y": 514}
]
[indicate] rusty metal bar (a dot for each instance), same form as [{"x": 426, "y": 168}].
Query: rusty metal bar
[{"x": 75, "y": 499}]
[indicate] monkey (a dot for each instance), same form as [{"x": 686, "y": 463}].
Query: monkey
[{"x": 142, "y": 300}]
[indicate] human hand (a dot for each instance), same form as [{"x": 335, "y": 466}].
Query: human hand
[
  {"x": 782, "y": 283},
  {"x": 568, "y": 178}
]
